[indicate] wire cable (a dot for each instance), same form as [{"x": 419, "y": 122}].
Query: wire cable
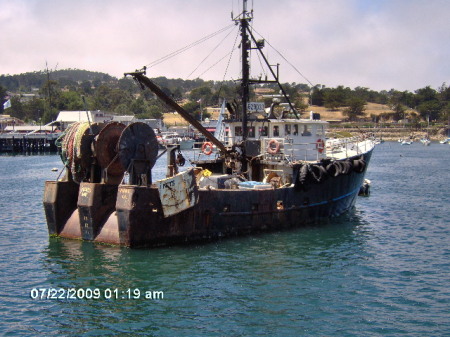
[
  {"x": 228, "y": 64},
  {"x": 193, "y": 44},
  {"x": 285, "y": 59},
  {"x": 217, "y": 46}
]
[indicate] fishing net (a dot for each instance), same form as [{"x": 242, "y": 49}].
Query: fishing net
[{"x": 79, "y": 171}]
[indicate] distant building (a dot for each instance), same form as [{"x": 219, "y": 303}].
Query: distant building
[
  {"x": 126, "y": 119},
  {"x": 155, "y": 124},
  {"x": 263, "y": 91},
  {"x": 7, "y": 120},
  {"x": 26, "y": 129},
  {"x": 28, "y": 97},
  {"x": 65, "y": 118},
  {"x": 213, "y": 111}
]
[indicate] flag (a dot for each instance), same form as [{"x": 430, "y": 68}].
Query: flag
[{"x": 7, "y": 104}]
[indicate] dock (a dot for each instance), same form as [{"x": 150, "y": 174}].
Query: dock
[{"x": 28, "y": 143}]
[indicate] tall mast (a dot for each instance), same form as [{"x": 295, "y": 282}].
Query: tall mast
[{"x": 245, "y": 47}]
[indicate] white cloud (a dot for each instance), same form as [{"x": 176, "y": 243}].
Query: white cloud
[{"x": 381, "y": 45}]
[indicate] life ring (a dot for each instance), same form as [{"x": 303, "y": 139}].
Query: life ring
[
  {"x": 207, "y": 148},
  {"x": 273, "y": 146},
  {"x": 320, "y": 145}
]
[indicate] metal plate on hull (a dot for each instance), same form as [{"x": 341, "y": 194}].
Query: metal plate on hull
[{"x": 178, "y": 193}]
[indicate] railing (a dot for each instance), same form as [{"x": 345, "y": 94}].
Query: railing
[
  {"x": 291, "y": 151},
  {"x": 286, "y": 150},
  {"x": 334, "y": 148},
  {"x": 347, "y": 147}
]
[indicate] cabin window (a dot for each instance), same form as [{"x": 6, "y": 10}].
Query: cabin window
[
  {"x": 287, "y": 130},
  {"x": 263, "y": 131},
  {"x": 320, "y": 130},
  {"x": 238, "y": 131},
  {"x": 295, "y": 129},
  {"x": 306, "y": 130},
  {"x": 251, "y": 132},
  {"x": 276, "y": 131}
]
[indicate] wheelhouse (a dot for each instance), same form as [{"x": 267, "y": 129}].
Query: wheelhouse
[{"x": 294, "y": 139}]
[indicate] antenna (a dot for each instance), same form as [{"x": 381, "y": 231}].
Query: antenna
[{"x": 48, "y": 89}]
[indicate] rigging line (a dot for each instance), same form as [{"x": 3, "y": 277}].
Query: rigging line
[
  {"x": 217, "y": 46},
  {"x": 263, "y": 69},
  {"x": 286, "y": 60},
  {"x": 176, "y": 52},
  {"x": 229, "y": 61},
  {"x": 261, "y": 64},
  {"x": 231, "y": 52},
  {"x": 188, "y": 47}
]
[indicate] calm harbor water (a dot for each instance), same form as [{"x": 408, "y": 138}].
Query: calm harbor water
[{"x": 381, "y": 270}]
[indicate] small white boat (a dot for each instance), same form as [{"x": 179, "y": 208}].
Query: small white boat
[
  {"x": 406, "y": 142},
  {"x": 173, "y": 138},
  {"x": 425, "y": 141},
  {"x": 445, "y": 141}
]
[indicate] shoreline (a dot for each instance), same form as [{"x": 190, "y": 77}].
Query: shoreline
[{"x": 395, "y": 134}]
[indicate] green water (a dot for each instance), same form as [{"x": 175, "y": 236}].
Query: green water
[{"x": 381, "y": 270}]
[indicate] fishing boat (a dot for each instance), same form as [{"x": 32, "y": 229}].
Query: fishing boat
[
  {"x": 173, "y": 138},
  {"x": 272, "y": 170}
]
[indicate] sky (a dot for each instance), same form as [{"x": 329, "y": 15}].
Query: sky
[{"x": 376, "y": 44}]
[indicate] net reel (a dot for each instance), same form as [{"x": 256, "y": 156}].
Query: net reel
[
  {"x": 100, "y": 152},
  {"x": 138, "y": 151}
]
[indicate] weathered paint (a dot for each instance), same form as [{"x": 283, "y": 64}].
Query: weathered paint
[
  {"x": 139, "y": 219},
  {"x": 178, "y": 193},
  {"x": 59, "y": 203},
  {"x": 109, "y": 233},
  {"x": 96, "y": 202}
]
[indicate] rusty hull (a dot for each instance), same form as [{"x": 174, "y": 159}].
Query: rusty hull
[
  {"x": 96, "y": 202},
  {"x": 81, "y": 211},
  {"x": 60, "y": 201},
  {"x": 133, "y": 216}
]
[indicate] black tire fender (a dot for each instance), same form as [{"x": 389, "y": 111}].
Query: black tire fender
[
  {"x": 348, "y": 167},
  {"x": 333, "y": 169}
]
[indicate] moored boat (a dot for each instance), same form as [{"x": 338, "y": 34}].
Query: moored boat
[
  {"x": 425, "y": 141},
  {"x": 272, "y": 170}
]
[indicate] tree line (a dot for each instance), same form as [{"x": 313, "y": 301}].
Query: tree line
[
  {"x": 427, "y": 103},
  {"x": 74, "y": 89}
]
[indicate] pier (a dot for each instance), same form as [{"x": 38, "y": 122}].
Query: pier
[{"x": 28, "y": 143}]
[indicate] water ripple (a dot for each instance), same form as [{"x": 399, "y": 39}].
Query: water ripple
[{"x": 382, "y": 269}]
